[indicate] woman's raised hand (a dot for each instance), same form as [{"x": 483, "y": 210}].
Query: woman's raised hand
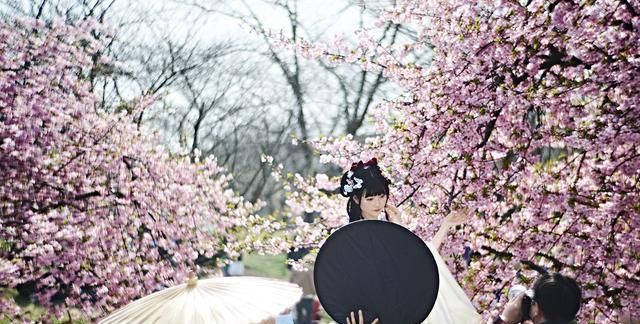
[
  {"x": 457, "y": 217},
  {"x": 352, "y": 319},
  {"x": 394, "y": 214}
]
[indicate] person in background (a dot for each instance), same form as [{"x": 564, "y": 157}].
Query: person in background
[
  {"x": 555, "y": 300},
  {"x": 236, "y": 268},
  {"x": 307, "y": 310}
]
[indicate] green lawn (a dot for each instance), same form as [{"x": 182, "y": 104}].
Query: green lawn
[{"x": 271, "y": 266}]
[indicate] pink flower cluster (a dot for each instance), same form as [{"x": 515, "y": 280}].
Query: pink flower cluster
[
  {"x": 94, "y": 213},
  {"x": 529, "y": 116}
]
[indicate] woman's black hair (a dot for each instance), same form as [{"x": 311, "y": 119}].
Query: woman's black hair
[{"x": 373, "y": 183}]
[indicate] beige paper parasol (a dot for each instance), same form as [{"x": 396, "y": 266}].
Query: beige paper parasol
[{"x": 234, "y": 300}]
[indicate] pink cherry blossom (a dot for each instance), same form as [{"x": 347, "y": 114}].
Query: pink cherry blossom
[
  {"x": 94, "y": 212},
  {"x": 528, "y": 115}
]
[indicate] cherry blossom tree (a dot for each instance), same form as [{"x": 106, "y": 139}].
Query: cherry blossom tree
[
  {"x": 527, "y": 115},
  {"x": 93, "y": 211}
]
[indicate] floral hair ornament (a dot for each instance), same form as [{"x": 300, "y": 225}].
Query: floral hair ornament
[{"x": 352, "y": 183}]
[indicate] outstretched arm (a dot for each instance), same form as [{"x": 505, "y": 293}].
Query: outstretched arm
[{"x": 454, "y": 218}]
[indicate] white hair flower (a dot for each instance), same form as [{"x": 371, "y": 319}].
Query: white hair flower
[
  {"x": 358, "y": 183},
  {"x": 352, "y": 184}
]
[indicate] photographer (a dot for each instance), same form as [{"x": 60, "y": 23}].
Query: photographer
[{"x": 556, "y": 300}]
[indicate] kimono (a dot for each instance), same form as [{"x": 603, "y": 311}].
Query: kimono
[{"x": 452, "y": 304}]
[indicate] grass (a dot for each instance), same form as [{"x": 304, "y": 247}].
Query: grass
[{"x": 271, "y": 266}]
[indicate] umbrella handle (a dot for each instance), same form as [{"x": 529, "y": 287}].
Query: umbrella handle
[{"x": 192, "y": 282}]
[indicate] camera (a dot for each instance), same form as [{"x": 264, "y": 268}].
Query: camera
[
  {"x": 527, "y": 300},
  {"x": 525, "y": 307}
]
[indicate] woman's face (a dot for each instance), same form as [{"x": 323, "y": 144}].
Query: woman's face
[{"x": 372, "y": 206}]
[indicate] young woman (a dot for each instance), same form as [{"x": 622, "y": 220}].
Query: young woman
[{"x": 367, "y": 191}]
